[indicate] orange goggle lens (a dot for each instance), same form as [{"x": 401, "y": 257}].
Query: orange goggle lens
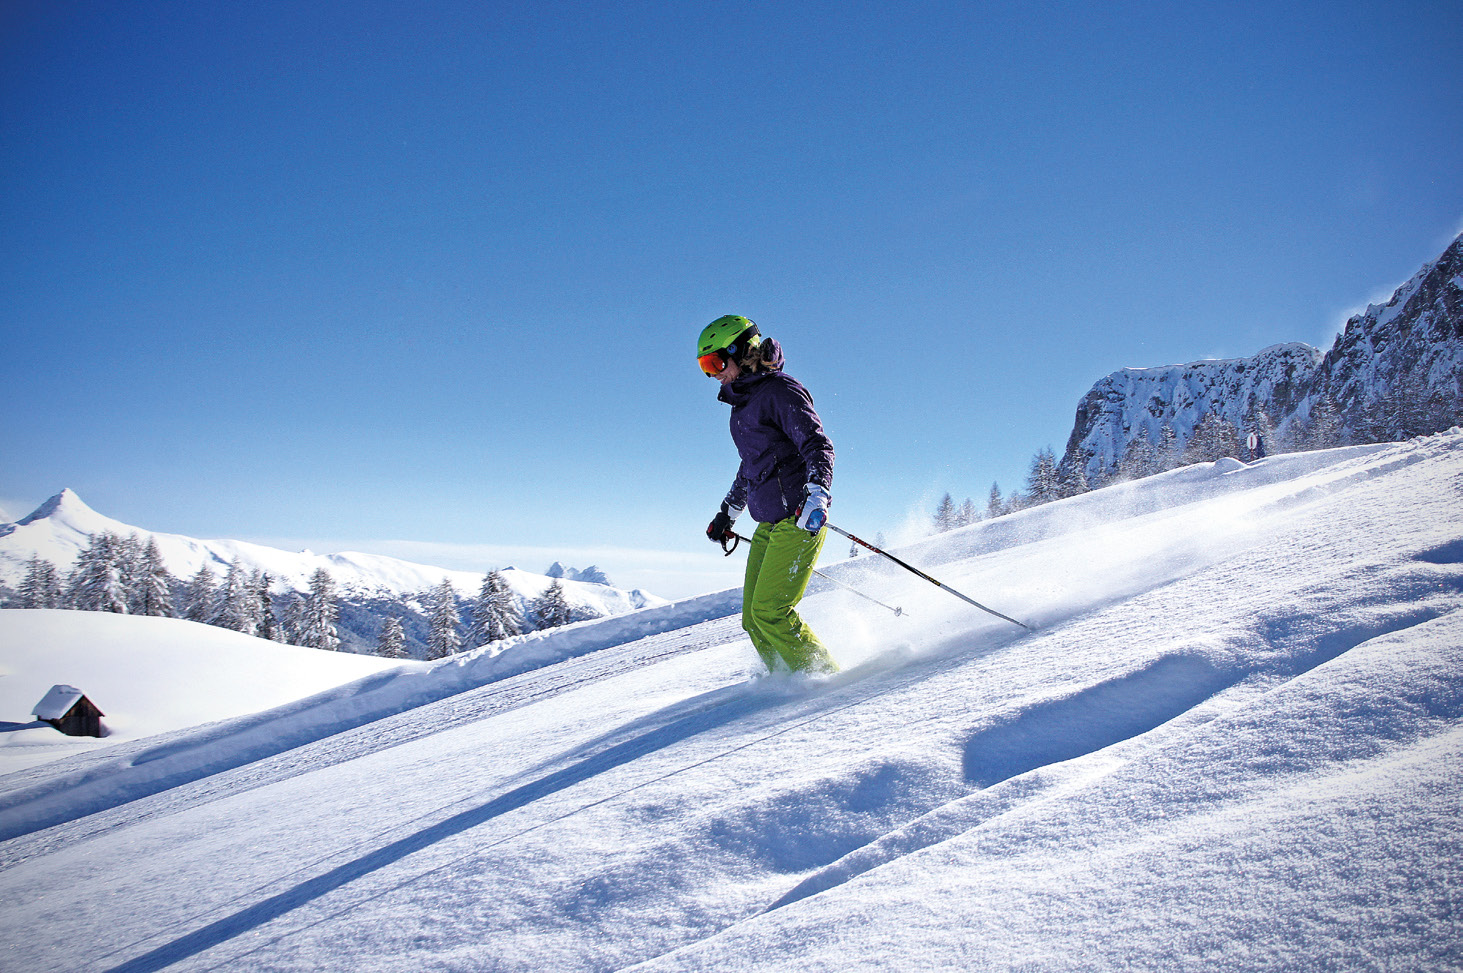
[{"x": 713, "y": 364}]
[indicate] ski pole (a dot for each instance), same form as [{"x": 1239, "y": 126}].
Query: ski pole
[
  {"x": 735, "y": 538},
  {"x": 843, "y": 584},
  {"x": 915, "y": 570}
]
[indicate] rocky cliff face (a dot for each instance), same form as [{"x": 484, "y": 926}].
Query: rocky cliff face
[
  {"x": 1397, "y": 368},
  {"x": 1395, "y": 371},
  {"x": 1137, "y": 403}
]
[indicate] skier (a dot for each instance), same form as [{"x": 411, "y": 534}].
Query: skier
[{"x": 784, "y": 479}]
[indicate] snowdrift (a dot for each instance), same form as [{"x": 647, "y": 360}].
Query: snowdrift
[{"x": 1232, "y": 743}]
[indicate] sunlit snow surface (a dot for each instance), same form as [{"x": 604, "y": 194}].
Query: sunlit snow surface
[
  {"x": 148, "y": 675},
  {"x": 1232, "y": 743}
]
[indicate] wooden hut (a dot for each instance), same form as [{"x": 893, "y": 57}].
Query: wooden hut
[{"x": 68, "y": 710}]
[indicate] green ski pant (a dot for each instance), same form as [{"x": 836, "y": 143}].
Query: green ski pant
[{"x": 779, "y": 563}]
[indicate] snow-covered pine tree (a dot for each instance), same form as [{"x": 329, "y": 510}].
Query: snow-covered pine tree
[
  {"x": 1072, "y": 480},
  {"x": 551, "y": 609},
  {"x": 1214, "y": 438},
  {"x": 1323, "y": 429},
  {"x": 269, "y": 627},
  {"x": 75, "y": 597},
  {"x": 41, "y": 587},
  {"x": 39, "y": 581},
  {"x": 995, "y": 505},
  {"x": 1202, "y": 444},
  {"x": 1041, "y": 481},
  {"x": 130, "y": 569},
  {"x": 392, "y": 642},
  {"x": 967, "y": 514},
  {"x": 154, "y": 594},
  {"x": 320, "y": 613},
  {"x": 253, "y": 608},
  {"x": 1401, "y": 410},
  {"x": 233, "y": 609},
  {"x": 504, "y": 605},
  {"x": 198, "y": 600},
  {"x": 1167, "y": 455},
  {"x": 238, "y": 608},
  {"x": 494, "y": 616},
  {"x": 443, "y": 638},
  {"x": 1231, "y": 443},
  {"x": 96, "y": 579},
  {"x": 945, "y": 515},
  {"x": 293, "y": 624},
  {"x": 1140, "y": 459},
  {"x": 481, "y": 628}
]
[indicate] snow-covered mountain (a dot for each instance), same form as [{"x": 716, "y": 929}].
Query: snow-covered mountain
[
  {"x": 1136, "y": 403},
  {"x": 1412, "y": 345},
  {"x": 59, "y": 529},
  {"x": 1394, "y": 372},
  {"x": 1231, "y": 744}
]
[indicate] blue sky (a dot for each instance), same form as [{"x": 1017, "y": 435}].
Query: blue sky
[{"x": 425, "y": 278}]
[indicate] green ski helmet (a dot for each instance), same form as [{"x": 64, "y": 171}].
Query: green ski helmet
[{"x": 728, "y": 337}]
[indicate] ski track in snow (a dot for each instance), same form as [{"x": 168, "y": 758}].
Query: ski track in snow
[{"x": 1186, "y": 681}]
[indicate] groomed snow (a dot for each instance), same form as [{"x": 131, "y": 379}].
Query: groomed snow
[{"x": 1232, "y": 743}]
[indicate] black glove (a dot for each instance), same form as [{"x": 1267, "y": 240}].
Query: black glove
[{"x": 721, "y": 524}]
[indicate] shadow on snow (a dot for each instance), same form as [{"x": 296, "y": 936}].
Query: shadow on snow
[{"x": 712, "y": 710}]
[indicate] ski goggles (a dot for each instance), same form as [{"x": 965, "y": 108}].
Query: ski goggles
[{"x": 713, "y": 364}]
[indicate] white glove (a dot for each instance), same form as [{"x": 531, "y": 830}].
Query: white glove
[{"x": 813, "y": 512}]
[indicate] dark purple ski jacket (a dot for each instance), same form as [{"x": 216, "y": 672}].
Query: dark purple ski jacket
[{"x": 781, "y": 442}]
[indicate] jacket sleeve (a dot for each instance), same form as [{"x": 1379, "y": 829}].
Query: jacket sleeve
[
  {"x": 736, "y": 497},
  {"x": 799, "y": 420}
]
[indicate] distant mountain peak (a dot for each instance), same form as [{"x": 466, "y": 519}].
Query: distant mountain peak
[
  {"x": 67, "y": 511},
  {"x": 64, "y": 502},
  {"x": 590, "y": 575}
]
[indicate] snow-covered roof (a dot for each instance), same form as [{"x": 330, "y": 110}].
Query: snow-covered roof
[{"x": 58, "y": 703}]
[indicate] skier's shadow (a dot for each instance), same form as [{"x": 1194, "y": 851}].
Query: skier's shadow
[{"x": 704, "y": 713}]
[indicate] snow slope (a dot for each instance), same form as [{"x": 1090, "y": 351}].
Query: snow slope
[
  {"x": 148, "y": 675},
  {"x": 1232, "y": 743}
]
